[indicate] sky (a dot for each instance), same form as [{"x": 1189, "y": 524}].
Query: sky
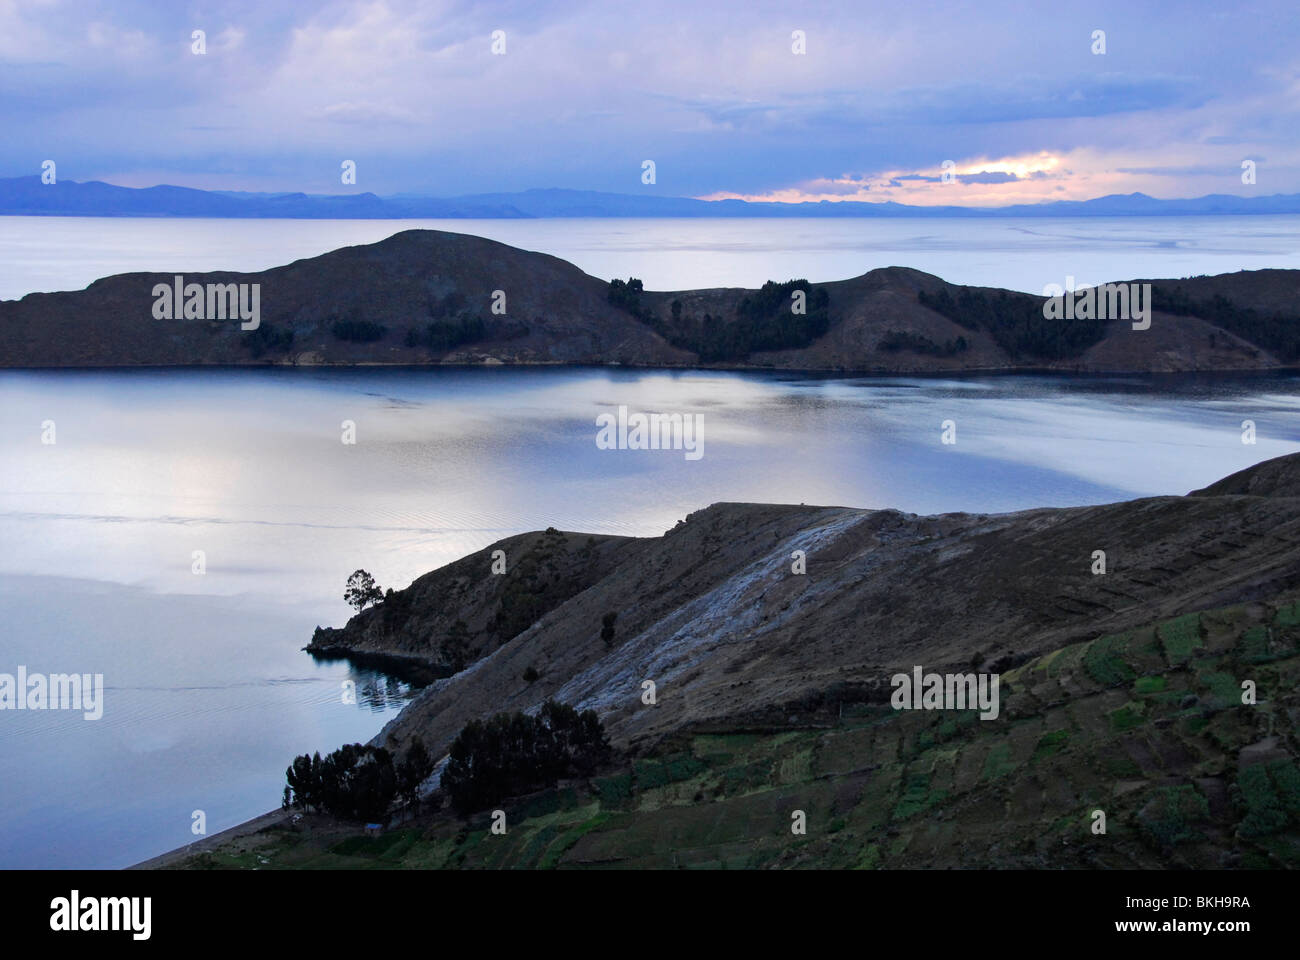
[{"x": 1013, "y": 99}]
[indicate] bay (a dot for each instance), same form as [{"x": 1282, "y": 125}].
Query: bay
[{"x": 208, "y": 694}]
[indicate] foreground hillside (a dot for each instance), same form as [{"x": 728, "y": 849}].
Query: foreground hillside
[
  {"x": 429, "y": 297},
  {"x": 1145, "y": 726},
  {"x": 713, "y": 613},
  {"x": 1124, "y": 691}
]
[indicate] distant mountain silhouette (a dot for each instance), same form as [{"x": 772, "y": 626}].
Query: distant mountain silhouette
[{"x": 28, "y": 196}]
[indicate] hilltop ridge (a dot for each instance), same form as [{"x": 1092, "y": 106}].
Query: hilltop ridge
[
  {"x": 1161, "y": 694},
  {"x": 428, "y": 297},
  {"x": 713, "y": 612}
]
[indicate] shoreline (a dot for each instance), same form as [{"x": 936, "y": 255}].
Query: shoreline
[{"x": 172, "y": 858}]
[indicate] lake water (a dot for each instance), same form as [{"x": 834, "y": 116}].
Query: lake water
[
  {"x": 67, "y": 253},
  {"x": 208, "y": 694}
]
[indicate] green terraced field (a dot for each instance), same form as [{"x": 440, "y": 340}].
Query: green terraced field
[{"x": 1148, "y": 727}]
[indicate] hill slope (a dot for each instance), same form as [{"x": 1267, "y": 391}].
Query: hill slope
[
  {"x": 1164, "y": 693},
  {"x": 713, "y": 613},
  {"x": 424, "y": 296},
  {"x": 1145, "y": 728}
]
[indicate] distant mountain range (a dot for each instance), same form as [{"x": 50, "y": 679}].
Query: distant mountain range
[{"x": 28, "y": 196}]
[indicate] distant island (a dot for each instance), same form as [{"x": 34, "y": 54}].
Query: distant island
[
  {"x": 426, "y": 297},
  {"x": 29, "y": 196}
]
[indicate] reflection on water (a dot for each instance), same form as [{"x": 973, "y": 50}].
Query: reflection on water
[
  {"x": 206, "y": 700},
  {"x": 384, "y": 683},
  {"x": 208, "y": 693}
]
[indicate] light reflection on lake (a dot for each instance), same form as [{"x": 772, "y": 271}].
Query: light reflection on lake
[{"x": 209, "y": 693}]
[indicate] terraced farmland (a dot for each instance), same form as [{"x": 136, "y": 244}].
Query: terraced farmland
[{"x": 1148, "y": 727}]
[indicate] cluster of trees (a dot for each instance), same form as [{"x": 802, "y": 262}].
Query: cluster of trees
[
  {"x": 356, "y": 781},
  {"x": 513, "y": 753},
  {"x": 895, "y": 340},
  {"x": 764, "y": 320},
  {"x": 1276, "y": 333},
  {"x": 453, "y": 324},
  {"x": 1016, "y": 322},
  {"x": 767, "y": 321},
  {"x": 266, "y": 337},
  {"x": 627, "y": 296}
]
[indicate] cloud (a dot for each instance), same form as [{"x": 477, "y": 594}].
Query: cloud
[
  {"x": 712, "y": 92},
  {"x": 365, "y": 113}
]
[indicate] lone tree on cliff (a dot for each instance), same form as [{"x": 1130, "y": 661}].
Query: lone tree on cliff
[{"x": 362, "y": 590}]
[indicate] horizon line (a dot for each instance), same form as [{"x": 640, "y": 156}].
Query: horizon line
[{"x": 822, "y": 202}]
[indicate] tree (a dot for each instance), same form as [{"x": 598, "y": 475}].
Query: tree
[
  {"x": 607, "y": 628},
  {"x": 304, "y": 782},
  {"x": 413, "y": 771},
  {"x": 512, "y": 753},
  {"x": 362, "y": 591},
  {"x": 578, "y": 740},
  {"x": 455, "y": 647},
  {"x": 355, "y": 781}
]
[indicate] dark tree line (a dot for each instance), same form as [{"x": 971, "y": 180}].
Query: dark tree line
[
  {"x": 763, "y": 320},
  {"x": 627, "y": 296},
  {"x": 452, "y": 323},
  {"x": 1016, "y": 322},
  {"x": 1278, "y": 334},
  {"x": 356, "y": 781},
  {"x": 896, "y": 340},
  {"x": 513, "y": 753},
  {"x": 766, "y": 320}
]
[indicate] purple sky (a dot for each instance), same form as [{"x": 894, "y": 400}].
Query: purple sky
[{"x": 1011, "y": 93}]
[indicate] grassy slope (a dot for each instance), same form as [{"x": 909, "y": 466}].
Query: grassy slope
[{"x": 1147, "y": 726}]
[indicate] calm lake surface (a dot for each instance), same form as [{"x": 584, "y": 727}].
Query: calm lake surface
[
  {"x": 208, "y": 695},
  {"x": 67, "y": 253}
]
